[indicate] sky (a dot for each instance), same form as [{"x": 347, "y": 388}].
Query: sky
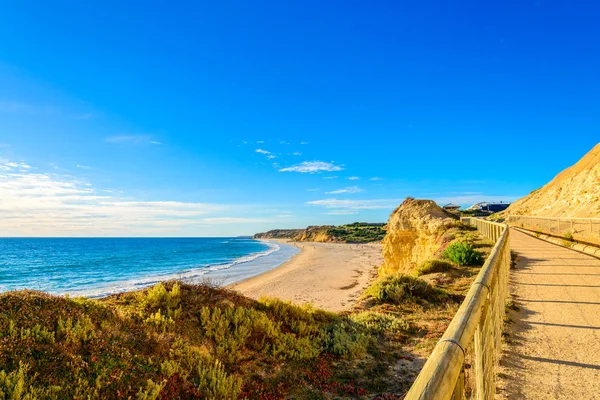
[{"x": 233, "y": 117}]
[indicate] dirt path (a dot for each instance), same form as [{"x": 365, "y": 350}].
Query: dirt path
[{"x": 553, "y": 346}]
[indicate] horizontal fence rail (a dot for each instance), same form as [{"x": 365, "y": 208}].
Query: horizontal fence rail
[
  {"x": 464, "y": 362},
  {"x": 580, "y": 229}
]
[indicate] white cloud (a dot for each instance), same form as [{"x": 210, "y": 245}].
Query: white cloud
[
  {"x": 349, "y": 189},
  {"x": 154, "y": 142},
  {"x": 44, "y": 204},
  {"x": 296, "y": 153},
  {"x": 312, "y": 167},
  {"x": 376, "y": 178},
  {"x": 235, "y": 220},
  {"x": 374, "y": 204},
  {"x": 341, "y": 212},
  {"x": 353, "y": 178},
  {"x": 271, "y": 156},
  {"x": 312, "y": 190},
  {"x": 303, "y": 142},
  {"x": 261, "y": 151}
]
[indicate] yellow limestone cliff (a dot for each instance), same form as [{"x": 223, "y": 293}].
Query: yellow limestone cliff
[
  {"x": 413, "y": 235},
  {"x": 575, "y": 192}
]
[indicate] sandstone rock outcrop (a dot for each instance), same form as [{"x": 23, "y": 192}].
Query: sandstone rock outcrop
[{"x": 413, "y": 235}]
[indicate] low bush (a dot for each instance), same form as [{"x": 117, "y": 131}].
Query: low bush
[
  {"x": 463, "y": 253},
  {"x": 378, "y": 323},
  {"x": 431, "y": 266},
  {"x": 396, "y": 288}
]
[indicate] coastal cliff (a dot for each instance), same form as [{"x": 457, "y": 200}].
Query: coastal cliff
[
  {"x": 415, "y": 234},
  {"x": 358, "y": 232},
  {"x": 575, "y": 192}
]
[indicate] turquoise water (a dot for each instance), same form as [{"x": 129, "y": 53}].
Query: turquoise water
[{"x": 102, "y": 266}]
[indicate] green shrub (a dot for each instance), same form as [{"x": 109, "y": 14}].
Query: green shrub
[
  {"x": 462, "y": 253},
  {"x": 80, "y": 332},
  {"x": 12, "y": 385},
  {"x": 346, "y": 340},
  {"x": 216, "y": 383},
  {"x": 378, "y": 323},
  {"x": 569, "y": 236},
  {"x": 396, "y": 288},
  {"x": 152, "y": 391},
  {"x": 431, "y": 266},
  {"x": 159, "y": 297}
]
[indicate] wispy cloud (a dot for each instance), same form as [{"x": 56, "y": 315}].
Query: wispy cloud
[
  {"x": 349, "y": 189},
  {"x": 376, "y": 178},
  {"x": 341, "y": 212},
  {"x": 312, "y": 167},
  {"x": 312, "y": 190},
  {"x": 83, "y": 166},
  {"x": 262, "y": 151},
  {"x": 353, "y": 178},
  {"x": 330, "y": 177},
  {"x": 235, "y": 220},
  {"x": 45, "y": 204},
  {"x": 296, "y": 153},
  {"x": 340, "y": 204}
]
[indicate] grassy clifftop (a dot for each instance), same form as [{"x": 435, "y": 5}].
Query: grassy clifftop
[{"x": 358, "y": 232}]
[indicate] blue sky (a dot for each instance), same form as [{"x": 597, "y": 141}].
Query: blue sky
[{"x": 225, "y": 118}]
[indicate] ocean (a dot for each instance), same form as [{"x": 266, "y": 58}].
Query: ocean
[{"x": 97, "y": 267}]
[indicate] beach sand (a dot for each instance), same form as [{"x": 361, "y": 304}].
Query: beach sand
[{"x": 331, "y": 276}]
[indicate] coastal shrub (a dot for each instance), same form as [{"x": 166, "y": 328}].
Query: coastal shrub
[
  {"x": 378, "y": 323},
  {"x": 12, "y": 385},
  {"x": 152, "y": 391},
  {"x": 160, "y": 321},
  {"x": 216, "y": 384},
  {"x": 37, "y": 334},
  {"x": 80, "y": 332},
  {"x": 431, "y": 266},
  {"x": 159, "y": 297},
  {"x": 396, "y": 288},
  {"x": 346, "y": 340},
  {"x": 467, "y": 237},
  {"x": 462, "y": 253}
]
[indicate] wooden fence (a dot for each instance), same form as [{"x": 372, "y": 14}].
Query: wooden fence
[
  {"x": 464, "y": 362},
  {"x": 580, "y": 229}
]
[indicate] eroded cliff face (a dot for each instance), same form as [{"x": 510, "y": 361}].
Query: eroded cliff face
[
  {"x": 413, "y": 235},
  {"x": 575, "y": 192}
]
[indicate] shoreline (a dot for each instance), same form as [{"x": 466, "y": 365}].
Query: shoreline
[{"x": 331, "y": 276}]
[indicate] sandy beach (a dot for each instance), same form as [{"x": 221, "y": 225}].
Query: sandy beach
[{"x": 329, "y": 275}]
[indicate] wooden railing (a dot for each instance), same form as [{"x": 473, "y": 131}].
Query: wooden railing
[
  {"x": 580, "y": 229},
  {"x": 464, "y": 362}
]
